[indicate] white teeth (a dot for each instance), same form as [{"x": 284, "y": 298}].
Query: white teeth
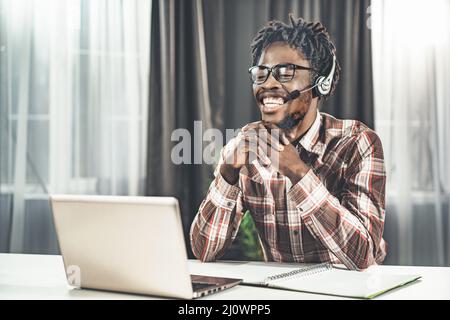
[{"x": 273, "y": 102}]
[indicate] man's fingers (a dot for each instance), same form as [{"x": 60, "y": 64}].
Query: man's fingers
[
  {"x": 255, "y": 153},
  {"x": 284, "y": 139},
  {"x": 250, "y": 126},
  {"x": 257, "y": 127},
  {"x": 282, "y": 136},
  {"x": 269, "y": 125},
  {"x": 251, "y": 147},
  {"x": 263, "y": 142},
  {"x": 271, "y": 138},
  {"x": 259, "y": 154},
  {"x": 277, "y": 133}
]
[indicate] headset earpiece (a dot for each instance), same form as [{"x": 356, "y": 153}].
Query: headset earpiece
[{"x": 323, "y": 84}]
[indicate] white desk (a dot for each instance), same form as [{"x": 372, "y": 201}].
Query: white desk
[{"x": 42, "y": 277}]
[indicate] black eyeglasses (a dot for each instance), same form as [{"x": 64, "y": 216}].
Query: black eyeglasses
[{"x": 281, "y": 72}]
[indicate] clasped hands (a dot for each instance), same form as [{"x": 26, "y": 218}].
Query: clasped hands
[{"x": 267, "y": 143}]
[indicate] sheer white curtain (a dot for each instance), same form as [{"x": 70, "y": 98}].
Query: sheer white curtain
[
  {"x": 74, "y": 107},
  {"x": 411, "y": 66}
]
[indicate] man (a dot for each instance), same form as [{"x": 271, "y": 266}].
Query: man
[{"x": 324, "y": 200}]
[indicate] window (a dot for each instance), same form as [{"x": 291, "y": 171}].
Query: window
[{"x": 73, "y": 102}]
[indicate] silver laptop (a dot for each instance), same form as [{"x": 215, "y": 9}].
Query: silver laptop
[{"x": 128, "y": 244}]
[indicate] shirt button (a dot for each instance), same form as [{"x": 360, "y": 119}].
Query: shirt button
[
  {"x": 295, "y": 232},
  {"x": 300, "y": 209},
  {"x": 229, "y": 203}
]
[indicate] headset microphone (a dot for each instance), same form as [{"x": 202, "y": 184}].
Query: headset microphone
[
  {"x": 296, "y": 93},
  {"x": 292, "y": 95}
]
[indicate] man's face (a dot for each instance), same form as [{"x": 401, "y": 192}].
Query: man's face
[{"x": 268, "y": 93}]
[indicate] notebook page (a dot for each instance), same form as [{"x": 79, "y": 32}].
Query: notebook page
[{"x": 345, "y": 283}]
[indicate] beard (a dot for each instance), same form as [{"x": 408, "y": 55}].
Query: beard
[{"x": 291, "y": 121}]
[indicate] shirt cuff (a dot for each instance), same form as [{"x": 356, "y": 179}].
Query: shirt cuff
[
  {"x": 309, "y": 194},
  {"x": 223, "y": 194}
]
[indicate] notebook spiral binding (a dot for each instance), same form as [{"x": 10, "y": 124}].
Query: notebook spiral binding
[{"x": 306, "y": 271}]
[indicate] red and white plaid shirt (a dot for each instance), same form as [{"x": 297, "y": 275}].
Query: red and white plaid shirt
[{"x": 335, "y": 213}]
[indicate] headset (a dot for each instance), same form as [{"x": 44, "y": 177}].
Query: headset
[{"x": 322, "y": 85}]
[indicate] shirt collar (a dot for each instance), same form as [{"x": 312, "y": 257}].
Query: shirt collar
[{"x": 310, "y": 140}]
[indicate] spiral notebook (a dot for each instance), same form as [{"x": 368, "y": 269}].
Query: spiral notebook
[
  {"x": 326, "y": 279},
  {"x": 321, "y": 278}
]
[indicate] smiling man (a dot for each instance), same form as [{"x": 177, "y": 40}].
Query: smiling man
[{"x": 323, "y": 199}]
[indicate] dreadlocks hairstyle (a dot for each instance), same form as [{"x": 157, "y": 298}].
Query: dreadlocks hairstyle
[{"x": 312, "y": 39}]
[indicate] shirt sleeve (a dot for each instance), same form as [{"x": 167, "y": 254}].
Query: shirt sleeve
[
  {"x": 217, "y": 221},
  {"x": 351, "y": 227}
]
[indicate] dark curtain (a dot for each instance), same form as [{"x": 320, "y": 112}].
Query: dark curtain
[
  {"x": 199, "y": 59},
  {"x": 346, "y": 22},
  {"x": 178, "y": 96}
]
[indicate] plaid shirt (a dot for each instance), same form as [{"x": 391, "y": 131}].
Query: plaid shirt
[{"x": 335, "y": 213}]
